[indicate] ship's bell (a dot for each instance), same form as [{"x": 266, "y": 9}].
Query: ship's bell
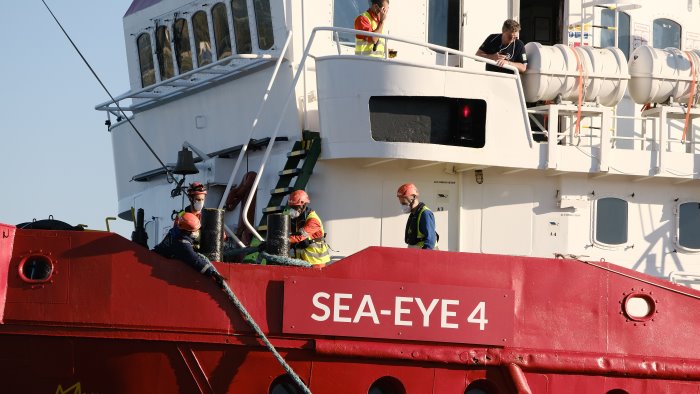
[{"x": 185, "y": 163}]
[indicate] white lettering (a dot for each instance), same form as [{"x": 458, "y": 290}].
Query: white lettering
[
  {"x": 481, "y": 321},
  {"x": 337, "y": 307},
  {"x": 426, "y": 313},
  {"x": 398, "y": 311},
  {"x": 366, "y": 303},
  {"x": 326, "y": 310},
  {"x": 445, "y": 314}
]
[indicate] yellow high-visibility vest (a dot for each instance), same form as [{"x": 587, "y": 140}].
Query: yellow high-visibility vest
[
  {"x": 317, "y": 252},
  {"x": 368, "y": 48}
]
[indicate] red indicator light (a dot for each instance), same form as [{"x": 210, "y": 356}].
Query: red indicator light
[{"x": 466, "y": 111}]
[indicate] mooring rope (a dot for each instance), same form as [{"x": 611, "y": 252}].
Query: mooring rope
[{"x": 251, "y": 322}]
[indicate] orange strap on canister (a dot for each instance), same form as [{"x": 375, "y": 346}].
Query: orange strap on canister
[
  {"x": 691, "y": 97},
  {"x": 579, "y": 68}
]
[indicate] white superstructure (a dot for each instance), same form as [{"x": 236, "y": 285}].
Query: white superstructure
[{"x": 621, "y": 186}]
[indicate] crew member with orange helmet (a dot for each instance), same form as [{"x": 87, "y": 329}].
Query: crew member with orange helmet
[
  {"x": 179, "y": 244},
  {"x": 308, "y": 238},
  {"x": 196, "y": 193},
  {"x": 420, "y": 226}
]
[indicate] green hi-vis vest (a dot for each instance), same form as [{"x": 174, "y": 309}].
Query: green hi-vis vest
[
  {"x": 317, "y": 251},
  {"x": 414, "y": 237},
  {"x": 368, "y": 48}
]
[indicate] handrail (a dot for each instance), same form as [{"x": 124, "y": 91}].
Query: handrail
[
  {"x": 301, "y": 68},
  {"x": 105, "y": 105},
  {"x": 244, "y": 148}
]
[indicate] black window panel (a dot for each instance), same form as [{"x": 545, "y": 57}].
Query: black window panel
[
  {"x": 263, "y": 20},
  {"x": 428, "y": 120},
  {"x": 611, "y": 221},
  {"x": 148, "y": 73},
  {"x": 182, "y": 45},
  {"x": 165, "y": 53},
  {"x": 221, "y": 31},
  {"x": 200, "y": 24},
  {"x": 689, "y": 225},
  {"x": 241, "y": 26}
]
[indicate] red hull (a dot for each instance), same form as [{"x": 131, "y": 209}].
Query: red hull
[{"x": 116, "y": 318}]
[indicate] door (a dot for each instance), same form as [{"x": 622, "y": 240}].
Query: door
[
  {"x": 444, "y": 27},
  {"x": 542, "y": 21}
]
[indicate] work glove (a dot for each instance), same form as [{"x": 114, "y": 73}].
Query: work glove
[
  {"x": 303, "y": 244},
  {"x": 218, "y": 278}
]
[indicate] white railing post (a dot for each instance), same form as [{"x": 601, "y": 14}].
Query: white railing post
[
  {"x": 298, "y": 73},
  {"x": 244, "y": 148},
  {"x": 552, "y": 136}
]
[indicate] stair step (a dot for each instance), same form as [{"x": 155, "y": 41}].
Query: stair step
[
  {"x": 297, "y": 153},
  {"x": 281, "y": 191},
  {"x": 274, "y": 209},
  {"x": 290, "y": 172},
  {"x": 262, "y": 228}
]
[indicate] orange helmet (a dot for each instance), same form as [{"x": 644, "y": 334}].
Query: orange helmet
[
  {"x": 407, "y": 190},
  {"x": 189, "y": 222},
  {"x": 196, "y": 189},
  {"x": 297, "y": 198}
]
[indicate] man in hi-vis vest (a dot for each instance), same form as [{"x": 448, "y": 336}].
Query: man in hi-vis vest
[
  {"x": 420, "y": 227},
  {"x": 308, "y": 238},
  {"x": 371, "y": 20}
]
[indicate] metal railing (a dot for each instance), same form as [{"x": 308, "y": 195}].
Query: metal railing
[
  {"x": 244, "y": 148},
  {"x": 179, "y": 84}
]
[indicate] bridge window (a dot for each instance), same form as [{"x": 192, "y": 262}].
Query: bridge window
[
  {"x": 611, "y": 221},
  {"x": 667, "y": 33},
  {"x": 443, "y": 23},
  {"x": 148, "y": 73},
  {"x": 221, "y": 32},
  {"x": 182, "y": 45},
  {"x": 201, "y": 38},
  {"x": 263, "y": 19},
  {"x": 165, "y": 53},
  {"x": 344, "y": 14},
  {"x": 689, "y": 225},
  {"x": 607, "y": 37},
  {"x": 241, "y": 26}
]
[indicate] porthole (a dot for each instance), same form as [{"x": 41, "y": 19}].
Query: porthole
[
  {"x": 386, "y": 385},
  {"x": 284, "y": 384},
  {"x": 639, "y": 306},
  {"x": 36, "y": 268},
  {"x": 481, "y": 386}
]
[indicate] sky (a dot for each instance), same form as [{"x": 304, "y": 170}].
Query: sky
[{"x": 56, "y": 151}]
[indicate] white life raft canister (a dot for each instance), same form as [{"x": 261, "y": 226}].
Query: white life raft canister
[
  {"x": 553, "y": 70},
  {"x": 662, "y": 74}
]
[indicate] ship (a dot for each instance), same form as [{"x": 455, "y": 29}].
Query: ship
[{"x": 565, "y": 198}]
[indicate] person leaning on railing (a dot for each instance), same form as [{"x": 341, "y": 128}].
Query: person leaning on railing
[
  {"x": 371, "y": 20},
  {"x": 505, "y": 49}
]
